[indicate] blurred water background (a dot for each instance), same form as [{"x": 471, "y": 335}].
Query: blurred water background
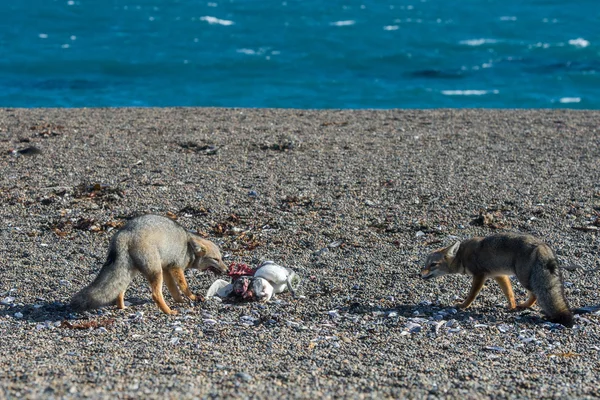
[{"x": 300, "y": 54}]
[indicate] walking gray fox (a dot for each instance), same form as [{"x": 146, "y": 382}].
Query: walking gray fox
[
  {"x": 160, "y": 249},
  {"x": 499, "y": 256}
]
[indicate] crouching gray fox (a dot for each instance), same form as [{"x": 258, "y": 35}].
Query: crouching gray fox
[
  {"x": 500, "y": 256},
  {"x": 158, "y": 248}
]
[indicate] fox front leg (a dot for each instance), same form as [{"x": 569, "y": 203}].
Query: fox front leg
[
  {"x": 156, "y": 281},
  {"x": 476, "y": 286},
  {"x": 172, "y": 286},
  {"x": 177, "y": 274},
  {"x": 529, "y": 302},
  {"x": 506, "y": 287}
]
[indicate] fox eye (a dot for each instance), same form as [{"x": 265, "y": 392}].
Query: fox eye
[{"x": 434, "y": 264}]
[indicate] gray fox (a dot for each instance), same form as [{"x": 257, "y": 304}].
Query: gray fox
[
  {"x": 499, "y": 256},
  {"x": 158, "y": 248}
]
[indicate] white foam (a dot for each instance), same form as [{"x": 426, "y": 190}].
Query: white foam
[
  {"x": 43, "y": 36},
  {"x": 508, "y": 18},
  {"x": 391, "y": 28},
  {"x": 469, "y": 92},
  {"x": 249, "y": 52},
  {"x": 540, "y": 44},
  {"x": 343, "y": 23},
  {"x": 477, "y": 42},
  {"x": 579, "y": 42},
  {"x": 216, "y": 21},
  {"x": 566, "y": 100}
]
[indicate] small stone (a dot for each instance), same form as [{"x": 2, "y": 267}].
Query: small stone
[
  {"x": 495, "y": 348},
  {"x": 243, "y": 376},
  {"x": 526, "y": 339},
  {"x": 452, "y": 323},
  {"x": 413, "y": 328},
  {"x": 7, "y": 300}
]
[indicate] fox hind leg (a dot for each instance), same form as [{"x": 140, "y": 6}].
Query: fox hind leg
[
  {"x": 506, "y": 287},
  {"x": 156, "y": 281},
  {"x": 121, "y": 300},
  {"x": 478, "y": 282}
]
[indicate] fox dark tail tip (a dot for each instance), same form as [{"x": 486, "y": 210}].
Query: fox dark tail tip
[{"x": 565, "y": 319}]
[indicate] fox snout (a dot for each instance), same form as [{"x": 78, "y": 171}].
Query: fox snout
[
  {"x": 427, "y": 274},
  {"x": 223, "y": 267}
]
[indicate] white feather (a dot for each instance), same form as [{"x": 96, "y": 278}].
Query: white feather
[
  {"x": 219, "y": 288},
  {"x": 275, "y": 274}
]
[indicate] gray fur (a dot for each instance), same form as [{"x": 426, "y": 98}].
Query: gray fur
[{"x": 114, "y": 277}]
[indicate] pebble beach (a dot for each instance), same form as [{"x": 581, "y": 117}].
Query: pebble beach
[{"x": 351, "y": 200}]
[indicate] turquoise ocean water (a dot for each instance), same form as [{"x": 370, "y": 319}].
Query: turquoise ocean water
[{"x": 300, "y": 54}]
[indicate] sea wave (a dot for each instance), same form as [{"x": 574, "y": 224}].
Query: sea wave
[
  {"x": 478, "y": 42},
  {"x": 579, "y": 42},
  {"x": 469, "y": 92},
  {"x": 567, "y": 100},
  {"x": 216, "y": 21},
  {"x": 343, "y": 23}
]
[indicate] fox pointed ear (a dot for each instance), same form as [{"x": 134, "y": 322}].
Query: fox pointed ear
[
  {"x": 452, "y": 250},
  {"x": 198, "y": 247}
]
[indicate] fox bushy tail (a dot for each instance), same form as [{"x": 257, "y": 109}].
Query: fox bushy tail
[
  {"x": 113, "y": 278},
  {"x": 547, "y": 285}
]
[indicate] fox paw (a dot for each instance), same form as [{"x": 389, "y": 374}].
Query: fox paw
[
  {"x": 521, "y": 307},
  {"x": 460, "y": 304}
]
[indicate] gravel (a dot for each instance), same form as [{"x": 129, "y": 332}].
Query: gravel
[{"x": 351, "y": 200}]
